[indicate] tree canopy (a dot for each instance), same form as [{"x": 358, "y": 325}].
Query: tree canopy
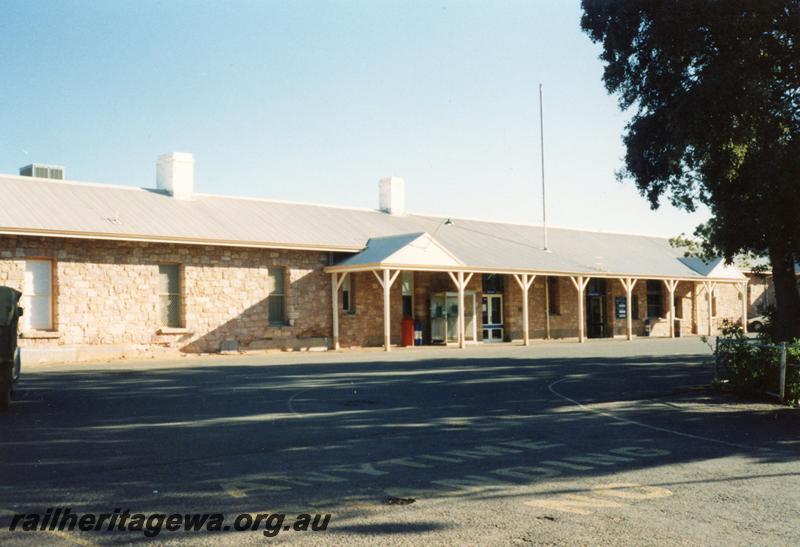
[{"x": 714, "y": 91}]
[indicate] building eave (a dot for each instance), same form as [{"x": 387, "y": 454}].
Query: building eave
[
  {"x": 175, "y": 240},
  {"x": 512, "y": 271}
]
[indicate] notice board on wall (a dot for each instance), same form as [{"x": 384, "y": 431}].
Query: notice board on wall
[{"x": 621, "y": 307}]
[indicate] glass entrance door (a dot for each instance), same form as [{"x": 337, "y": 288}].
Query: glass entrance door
[
  {"x": 452, "y": 317},
  {"x": 438, "y": 319},
  {"x": 492, "y": 317},
  {"x": 596, "y": 321},
  {"x": 444, "y": 317},
  {"x": 469, "y": 317}
]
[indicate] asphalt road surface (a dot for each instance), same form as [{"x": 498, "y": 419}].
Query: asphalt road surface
[{"x": 609, "y": 442}]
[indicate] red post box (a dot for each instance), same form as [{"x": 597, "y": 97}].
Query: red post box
[{"x": 408, "y": 331}]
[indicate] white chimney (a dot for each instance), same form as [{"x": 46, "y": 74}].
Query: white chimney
[
  {"x": 175, "y": 174},
  {"x": 392, "y": 191}
]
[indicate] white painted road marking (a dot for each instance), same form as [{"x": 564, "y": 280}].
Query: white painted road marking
[
  {"x": 623, "y": 494},
  {"x": 507, "y": 476},
  {"x": 648, "y": 426}
]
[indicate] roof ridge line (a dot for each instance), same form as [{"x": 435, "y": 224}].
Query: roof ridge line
[
  {"x": 198, "y": 194},
  {"x": 531, "y": 225},
  {"x": 77, "y": 183}
]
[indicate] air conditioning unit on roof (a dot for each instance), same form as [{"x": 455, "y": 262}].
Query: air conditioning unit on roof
[{"x": 43, "y": 171}]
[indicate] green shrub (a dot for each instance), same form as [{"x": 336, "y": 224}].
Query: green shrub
[
  {"x": 793, "y": 372},
  {"x": 752, "y": 366}
]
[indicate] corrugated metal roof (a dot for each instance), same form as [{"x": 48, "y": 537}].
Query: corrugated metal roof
[
  {"x": 46, "y": 207},
  {"x": 715, "y": 268},
  {"x": 418, "y": 249},
  {"x": 762, "y": 264}
]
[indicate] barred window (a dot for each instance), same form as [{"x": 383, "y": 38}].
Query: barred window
[
  {"x": 276, "y": 300},
  {"x": 169, "y": 294}
]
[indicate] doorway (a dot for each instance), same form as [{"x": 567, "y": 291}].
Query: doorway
[
  {"x": 492, "y": 317},
  {"x": 444, "y": 317},
  {"x": 596, "y": 316}
]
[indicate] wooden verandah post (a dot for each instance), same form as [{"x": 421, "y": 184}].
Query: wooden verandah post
[
  {"x": 547, "y": 307},
  {"x": 580, "y": 283},
  {"x": 710, "y": 286},
  {"x": 671, "y": 285},
  {"x": 628, "y": 283},
  {"x": 386, "y": 281},
  {"x": 336, "y": 284},
  {"x": 525, "y": 281},
  {"x": 742, "y": 288},
  {"x": 461, "y": 283}
]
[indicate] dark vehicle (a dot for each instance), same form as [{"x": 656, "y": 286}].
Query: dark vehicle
[
  {"x": 10, "y": 312},
  {"x": 756, "y": 324}
]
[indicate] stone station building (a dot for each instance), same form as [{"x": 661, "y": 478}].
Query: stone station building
[{"x": 108, "y": 270}]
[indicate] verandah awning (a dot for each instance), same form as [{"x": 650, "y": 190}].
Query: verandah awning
[{"x": 421, "y": 251}]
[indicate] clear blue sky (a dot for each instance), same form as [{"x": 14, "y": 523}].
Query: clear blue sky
[{"x": 315, "y": 101}]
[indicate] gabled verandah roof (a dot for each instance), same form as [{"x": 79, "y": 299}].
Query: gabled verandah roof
[{"x": 421, "y": 251}]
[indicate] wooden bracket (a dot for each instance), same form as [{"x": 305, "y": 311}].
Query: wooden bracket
[
  {"x": 580, "y": 282},
  {"x": 340, "y": 280},
  {"x": 391, "y": 279}
]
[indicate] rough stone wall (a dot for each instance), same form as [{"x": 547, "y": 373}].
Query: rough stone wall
[
  {"x": 728, "y": 306},
  {"x": 684, "y": 307},
  {"x": 363, "y": 326},
  {"x": 761, "y": 294},
  {"x": 564, "y": 324},
  {"x": 106, "y": 292},
  {"x": 690, "y": 308},
  {"x": 659, "y": 326},
  {"x": 620, "y": 326}
]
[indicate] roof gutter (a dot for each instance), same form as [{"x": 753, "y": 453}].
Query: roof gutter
[
  {"x": 178, "y": 240},
  {"x": 511, "y": 271},
  {"x": 332, "y": 248}
]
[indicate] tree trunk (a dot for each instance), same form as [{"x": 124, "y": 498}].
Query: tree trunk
[{"x": 787, "y": 297}]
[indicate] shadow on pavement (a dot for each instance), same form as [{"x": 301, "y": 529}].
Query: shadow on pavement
[{"x": 340, "y": 436}]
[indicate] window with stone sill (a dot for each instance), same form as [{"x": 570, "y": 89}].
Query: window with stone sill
[
  {"x": 276, "y": 297},
  {"x": 169, "y": 295},
  {"x": 37, "y": 295}
]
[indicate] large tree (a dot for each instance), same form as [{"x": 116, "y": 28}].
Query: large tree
[{"x": 713, "y": 87}]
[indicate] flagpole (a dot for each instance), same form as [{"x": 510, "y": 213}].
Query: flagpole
[{"x": 544, "y": 199}]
